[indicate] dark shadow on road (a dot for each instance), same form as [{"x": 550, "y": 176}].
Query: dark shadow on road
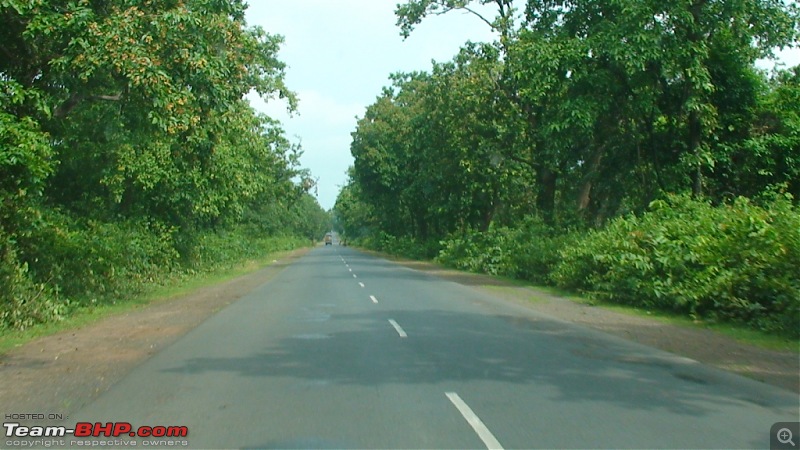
[{"x": 442, "y": 346}]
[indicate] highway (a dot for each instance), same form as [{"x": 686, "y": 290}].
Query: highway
[{"x": 346, "y": 350}]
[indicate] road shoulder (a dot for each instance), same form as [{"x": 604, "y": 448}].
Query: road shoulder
[
  {"x": 64, "y": 371},
  {"x": 776, "y": 368}
]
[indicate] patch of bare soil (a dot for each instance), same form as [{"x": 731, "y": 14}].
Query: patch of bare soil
[
  {"x": 62, "y": 372},
  {"x": 773, "y": 367}
]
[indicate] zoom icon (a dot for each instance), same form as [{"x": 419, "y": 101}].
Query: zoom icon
[{"x": 783, "y": 435}]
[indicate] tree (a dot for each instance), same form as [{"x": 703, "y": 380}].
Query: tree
[
  {"x": 613, "y": 102},
  {"x": 129, "y": 117}
]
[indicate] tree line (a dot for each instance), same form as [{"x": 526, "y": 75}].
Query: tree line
[
  {"x": 127, "y": 148},
  {"x": 581, "y": 115}
]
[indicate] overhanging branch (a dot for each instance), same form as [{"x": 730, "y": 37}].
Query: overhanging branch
[{"x": 65, "y": 108}]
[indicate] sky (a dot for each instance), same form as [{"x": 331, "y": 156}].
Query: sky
[{"x": 340, "y": 54}]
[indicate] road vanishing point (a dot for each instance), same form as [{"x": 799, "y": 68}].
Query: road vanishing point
[{"x": 347, "y": 350}]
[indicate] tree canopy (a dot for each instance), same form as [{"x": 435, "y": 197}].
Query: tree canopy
[
  {"x": 628, "y": 149},
  {"x": 581, "y": 111},
  {"x": 133, "y": 114}
]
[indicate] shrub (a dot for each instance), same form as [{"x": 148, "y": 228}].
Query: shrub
[
  {"x": 225, "y": 248},
  {"x": 475, "y": 251},
  {"x": 24, "y": 303},
  {"x": 528, "y": 251},
  {"x": 534, "y": 250},
  {"x": 736, "y": 262},
  {"x": 94, "y": 261},
  {"x": 63, "y": 263}
]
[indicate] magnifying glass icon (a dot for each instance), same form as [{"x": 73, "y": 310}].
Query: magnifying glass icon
[{"x": 784, "y": 436}]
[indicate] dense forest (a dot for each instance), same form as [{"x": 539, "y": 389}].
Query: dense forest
[
  {"x": 129, "y": 154},
  {"x": 631, "y": 150}
]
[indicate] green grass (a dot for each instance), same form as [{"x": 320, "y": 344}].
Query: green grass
[
  {"x": 739, "y": 333},
  {"x": 171, "y": 289}
]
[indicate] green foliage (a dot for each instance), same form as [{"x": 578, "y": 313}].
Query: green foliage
[
  {"x": 528, "y": 251},
  {"x": 402, "y": 246},
  {"x": 93, "y": 261},
  {"x": 23, "y": 303},
  {"x": 535, "y": 251},
  {"x": 770, "y": 153},
  {"x": 85, "y": 263},
  {"x": 300, "y": 217},
  {"x": 353, "y": 218},
  {"x": 730, "y": 263},
  {"x": 229, "y": 247},
  {"x": 488, "y": 252},
  {"x": 129, "y": 155},
  {"x": 516, "y": 154},
  {"x": 597, "y": 107},
  {"x": 736, "y": 262}
]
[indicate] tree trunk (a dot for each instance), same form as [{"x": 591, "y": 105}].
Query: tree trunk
[
  {"x": 584, "y": 197},
  {"x": 695, "y": 136},
  {"x": 546, "y": 195}
]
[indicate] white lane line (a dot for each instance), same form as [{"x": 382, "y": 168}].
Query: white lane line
[
  {"x": 397, "y": 327},
  {"x": 355, "y": 276},
  {"x": 361, "y": 284},
  {"x": 486, "y": 436},
  {"x": 374, "y": 300}
]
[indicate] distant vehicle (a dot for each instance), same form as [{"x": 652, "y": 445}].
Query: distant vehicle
[{"x": 328, "y": 239}]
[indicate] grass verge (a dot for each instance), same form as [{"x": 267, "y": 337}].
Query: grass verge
[
  {"x": 739, "y": 333},
  {"x": 171, "y": 289}
]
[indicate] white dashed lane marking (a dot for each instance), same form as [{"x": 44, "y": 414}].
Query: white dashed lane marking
[
  {"x": 475, "y": 422},
  {"x": 396, "y": 326}
]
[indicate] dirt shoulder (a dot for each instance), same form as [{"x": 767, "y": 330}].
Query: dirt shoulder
[
  {"x": 777, "y": 368},
  {"x": 62, "y": 372}
]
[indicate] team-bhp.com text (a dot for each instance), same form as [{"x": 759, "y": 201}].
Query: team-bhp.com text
[{"x": 97, "y": 429}]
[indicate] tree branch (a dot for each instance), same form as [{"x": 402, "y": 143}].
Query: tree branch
[
  {"x": 491, "y": 25},
  {"x": 524, "y": 161},
  {"x": 112, "y": 98},
  {"x": 69, "y": 104}
]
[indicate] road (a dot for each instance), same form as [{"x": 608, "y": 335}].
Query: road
[{"x": 346, "y": 350}]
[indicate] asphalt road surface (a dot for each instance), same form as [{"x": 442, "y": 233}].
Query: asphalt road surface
[{"x": 346, "y": 350}]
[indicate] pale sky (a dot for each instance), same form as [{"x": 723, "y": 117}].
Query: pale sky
[{"x": 340, "y": 54}]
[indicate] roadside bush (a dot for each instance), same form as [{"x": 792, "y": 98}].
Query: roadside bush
[
  {"x": 23, "y": 303},
  {"x": 535, "y": 250},
  {"x": 528, "y": 251},
  {"x": 488, "y": 252},
  {"x": 93, "y": 261},
  {"x": 62, "y": 264},
  {"x": 226, "y": 248},
  {"x": 401, "y": 246},
  {"x": 736, "y": 262}
]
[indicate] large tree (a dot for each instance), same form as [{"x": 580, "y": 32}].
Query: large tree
[{"x": 615, "y": 101}]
